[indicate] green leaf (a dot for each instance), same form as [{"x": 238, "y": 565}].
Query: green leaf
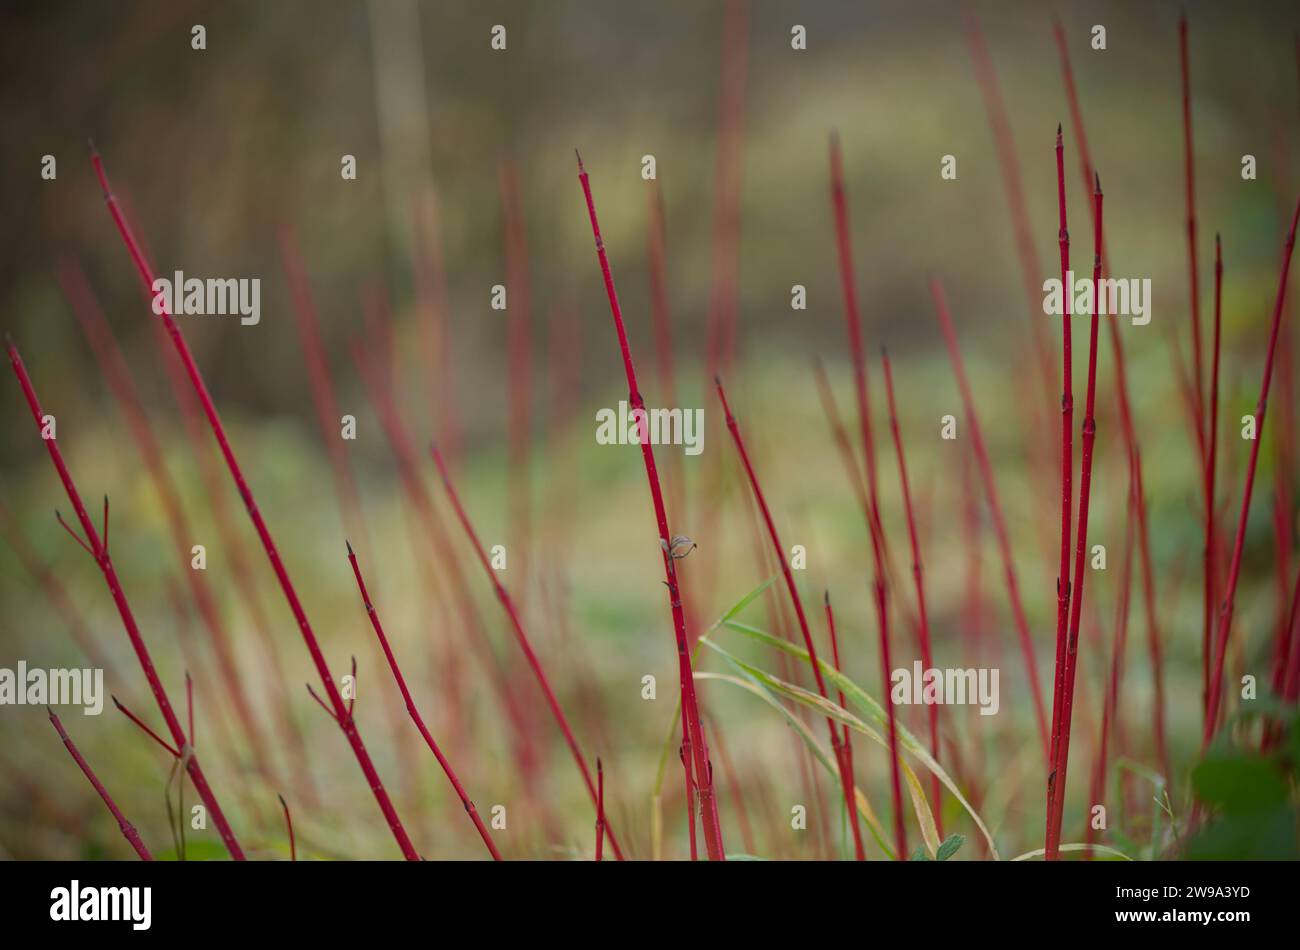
[
  {"x": 919, "y": 854},
  {"x": 924, "y": 816},
  {"x": 1239, "y": 784},
  {"x": 873, "y": 709},
  {"x": 951, "y": 845},
  {"x": 741, "y": 604},
  {"x": 818, "y": 751},
  {"x": 196, "y": 850},
  {"x": 665, "y": 751}
]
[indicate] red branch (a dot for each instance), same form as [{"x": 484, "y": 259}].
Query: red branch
[
  {"x": 923, "y": 626},
  {"x": 600, "y": 810},
  {"x": 286, "y": 585},
  {"x": 1211, "y": 463},
  {"x": 288, "y": 821},
  {"x": 118, "y": 375},
  {"x": 1058, "y": 767},
  {"x": 1234, "y": 571},
  {"x": 995, "y": 506},
  {"x": 846, "y": 763},
  {"x": 690, "y": 707},
  {"x": 415, "y": 713},
  {"x": 837, "y": 743},
  {"x": 1198, "y": 373},
  {"x": 128, "y": 830},
  {"x": 105, "y": 564},
  {"x": 1013, "y": 186},
  {"x": 524, "y": 643},
  {"x": 1067, "y": 466},
  {"x": 1154, "y": 649}
]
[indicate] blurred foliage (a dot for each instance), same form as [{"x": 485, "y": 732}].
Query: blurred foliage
[{"x": 212, "y": 151}]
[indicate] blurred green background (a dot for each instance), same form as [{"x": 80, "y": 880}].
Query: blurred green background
[{"x": 213, "y": 151}]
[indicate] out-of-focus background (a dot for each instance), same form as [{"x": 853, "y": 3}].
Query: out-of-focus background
[{"x": 226, "y": 157}]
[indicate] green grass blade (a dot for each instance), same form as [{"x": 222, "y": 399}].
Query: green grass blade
[
  {"x": 819, "y": 752},
  {"x": 864, "y": 701}
]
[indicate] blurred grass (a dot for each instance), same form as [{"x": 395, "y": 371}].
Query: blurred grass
[{"x": 214, "y": 149}]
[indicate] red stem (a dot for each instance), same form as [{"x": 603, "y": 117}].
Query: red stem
[
  {"x": 415, "y": 713},
  {"x": 846, "y": 744},
  {"x": 118, "y": 375},
  {"x": 456, "y": 585},
  {"x": 57, "y": 594},
  {"x": 1059, "y": 766},
  {"x": 735, "y": 789},
  {"x": 879, "y": 548},
  {"x": 1154, "y": 649},
  {"x": 853, "y": 319},
  {"x": 1009, "y": 166},
  {"x": 690, "y": 707},
  {"x": 286, "y": 585},
  {"x": 600, "y": 810},
  {"x": 144, "y": 727},
  {"x": 1234, "y": 571},
  {"x": 995, "y": 507},
  {"x": 724, "y": 280},
  {"x": 288, "y": 821},
  {"x": 1190, "y": 181},
  {"x": 520, "y": 382},
  {"x": 923, "y": 628},
  {"x": 1067, "y": 471},
  {"x": 1110, "y": 699},
  {"x": 524, "y": 643},
  {"x": 128, "y": 830},
  {"x": 1212, "y": 426},
  {"x": 329, "y": 418},
  {"x": 846, "y": 778},
  {"x": 105, "y": 564},
  {"x": 661, "y": 319},
  {"x": 886, "y": 665},
  {"x": 431, "y": 287},
  {"x": 1291, "y": 687}
]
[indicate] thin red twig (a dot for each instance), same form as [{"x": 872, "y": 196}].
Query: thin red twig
[
  {"x": 105, "y": 564},
  {"x": 995, "y": 506},
  {"x": 288, "y": 821},
  {"x": 521, "y": 636},
  {"x": 846, "y": 745},
  {"x": 415, "y": 713},
  {"x": 128, "y": 397},
  {"x": 837, "y": 742},
  {"x": 923, "y": 626},
  {"x": 1154, "y": 648},
  {"x": 690, "y": 707},
  {"x": 128, "y": 830},
  {"x": 1211, "y": 575},
  {"x": 1058, "y": 767},
  {"x": 286, "y": 585},
  {"x": 600, "y": 810},
  {"x": 1234, "y": 571}
]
